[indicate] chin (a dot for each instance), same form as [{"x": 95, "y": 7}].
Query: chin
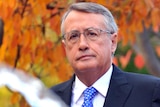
[
  {"x": 85, "y": 65},
  {"x": 86, "y": 68}
]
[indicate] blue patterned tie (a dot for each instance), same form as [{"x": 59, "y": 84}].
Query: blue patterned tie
[{"x": 89, "y": 94}]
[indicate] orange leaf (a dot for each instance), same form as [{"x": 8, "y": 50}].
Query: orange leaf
[
  {"x": 125, "y": 59},
  {"x": 64, "y": 75},
  {"x": 155, "y": 19},
  {"x": 23, "y": 103},
  {"x": 157, "y": 48},
  {"x": 115, "y": 61},
  {"x": 55, "y": 23},
  {"x": 139, "y": 61},
  {"x": 2, "y": 52},
  {"x": 15, "y": 97}
]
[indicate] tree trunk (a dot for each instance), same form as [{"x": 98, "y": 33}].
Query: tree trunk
[{"x": 151, "y": 60}]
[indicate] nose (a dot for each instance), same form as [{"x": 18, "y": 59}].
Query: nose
[{"x": 83, "y": 43}]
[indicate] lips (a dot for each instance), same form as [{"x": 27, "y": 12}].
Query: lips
[{"x": 85, "y": 57}]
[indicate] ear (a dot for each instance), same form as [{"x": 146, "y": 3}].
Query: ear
[
  {"x": 114, "y": 38},
  {"x": 63, "y": 43}
]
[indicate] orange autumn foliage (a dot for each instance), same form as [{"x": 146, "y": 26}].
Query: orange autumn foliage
[
  {"x": 139, "y": 61},
  {"x": 32, "y": 35},
  {"x": 157, "y": 49},
  {"x": 130, "y": 14},
  {"x": 124, "y": 60}
]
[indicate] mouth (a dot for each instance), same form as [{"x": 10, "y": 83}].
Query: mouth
[{"x": 85, "y": 57}]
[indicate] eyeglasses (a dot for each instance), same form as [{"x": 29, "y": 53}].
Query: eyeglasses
[{"x": 91, "y": 34}]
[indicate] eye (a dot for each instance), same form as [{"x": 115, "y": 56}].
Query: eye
[
  {"x": 73, "y": 35},
  {"x": 91, "y": 32}
]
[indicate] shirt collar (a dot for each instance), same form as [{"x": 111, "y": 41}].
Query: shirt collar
[
  {"x": 78, "y": 88},
  {"x": 101, "y": 85}
]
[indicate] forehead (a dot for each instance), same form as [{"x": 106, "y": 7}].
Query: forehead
[{"x": 82, "y": 20}]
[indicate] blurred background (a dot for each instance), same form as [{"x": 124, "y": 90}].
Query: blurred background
[{"x": 30, "y": 39}]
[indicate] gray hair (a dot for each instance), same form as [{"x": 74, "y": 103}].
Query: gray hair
[{"x": 89, "y": 7}]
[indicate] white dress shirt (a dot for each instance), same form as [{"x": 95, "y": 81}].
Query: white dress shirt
[{"x": 101, "y": 85}]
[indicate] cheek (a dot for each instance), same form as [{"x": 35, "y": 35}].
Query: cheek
[
  {"x": 104, "y": 50},
  {"x": 104, "y": 53}
]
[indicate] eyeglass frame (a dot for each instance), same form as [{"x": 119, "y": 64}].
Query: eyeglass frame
[{"x": 99, "y": 31}]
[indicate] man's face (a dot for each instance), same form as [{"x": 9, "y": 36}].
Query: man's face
[{"x": 86, "y": 55}]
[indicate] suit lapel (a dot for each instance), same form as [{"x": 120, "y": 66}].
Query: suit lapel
[{"x": 119, "y": 89}]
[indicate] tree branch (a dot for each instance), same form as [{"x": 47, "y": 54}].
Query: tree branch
[{"x": 1, "y": 31}]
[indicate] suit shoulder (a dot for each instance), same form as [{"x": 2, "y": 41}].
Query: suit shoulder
[
  {"x": 142, "y": 78},
  {"x": 64, "y": 85},
  {"x": 59, "y": 86},
  {"x": 136, "y": 77}
]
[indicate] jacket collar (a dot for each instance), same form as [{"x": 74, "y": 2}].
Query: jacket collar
[{"x": 119, "y": 89}]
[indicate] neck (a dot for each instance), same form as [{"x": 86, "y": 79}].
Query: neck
[{"x": 89, "y": 77}]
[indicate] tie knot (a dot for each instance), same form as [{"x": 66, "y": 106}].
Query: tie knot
[{"x": 89, "y": 93}]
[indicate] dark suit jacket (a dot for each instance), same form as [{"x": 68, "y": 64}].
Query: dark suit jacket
[{"x": 125, "y": 90}]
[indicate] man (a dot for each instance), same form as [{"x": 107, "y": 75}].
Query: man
[{"x": 90, "y": 41}]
